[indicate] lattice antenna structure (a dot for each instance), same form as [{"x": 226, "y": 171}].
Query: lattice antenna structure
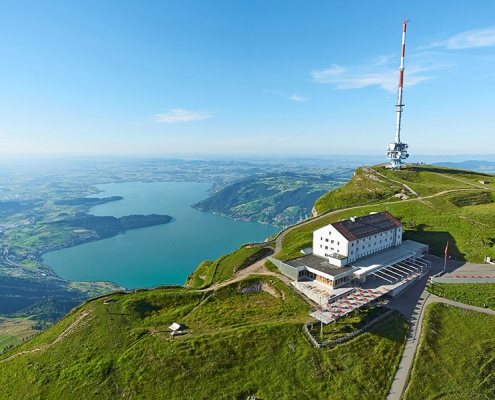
[{"x": 397, "y": 151}]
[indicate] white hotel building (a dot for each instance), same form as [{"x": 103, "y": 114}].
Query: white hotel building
[
  {"x": 356, "y": 251},
  {"x": 344, "y": 242}
]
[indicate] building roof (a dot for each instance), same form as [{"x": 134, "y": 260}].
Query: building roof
[
  {"x": 318, "y": 263},
  {"x": 360, "y": 227},
  {"x": 382, "y": 260},
  {"x": 175, "y": 326}
]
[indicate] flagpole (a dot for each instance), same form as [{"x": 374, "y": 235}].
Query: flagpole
[{"x": 445, "y": 257}]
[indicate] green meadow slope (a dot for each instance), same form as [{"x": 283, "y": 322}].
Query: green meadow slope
[
  {"x": 436, "y": 205},
  {"x": 240, "y": 341},
  {"x": 246, "y": 338}
]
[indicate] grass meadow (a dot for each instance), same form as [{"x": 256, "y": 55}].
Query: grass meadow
[
  {"x": 236, "y": 345},
  {"x": 470, "y": 229},
  {"x": 475, "y": 294},
  {"x": 456, "y": 357}
]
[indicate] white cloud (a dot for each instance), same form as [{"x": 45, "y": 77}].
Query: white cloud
[
  {"x": 378, "y": 72},
  {"x": 181, "y": 115},
  {"x": 295, "y": 97},
  {"x": 469, "y": 39}
]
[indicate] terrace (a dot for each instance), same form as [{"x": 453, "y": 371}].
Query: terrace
[{"x": 390, "y": 280}]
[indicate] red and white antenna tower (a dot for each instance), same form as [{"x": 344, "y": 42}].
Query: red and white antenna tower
[{"x": 397, "y": 151}]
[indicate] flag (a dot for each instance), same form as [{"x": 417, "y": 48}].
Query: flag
[{"x": 446, "y": 250}]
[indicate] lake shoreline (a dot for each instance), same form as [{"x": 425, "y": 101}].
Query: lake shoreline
[{"x": 160, "y": 255}]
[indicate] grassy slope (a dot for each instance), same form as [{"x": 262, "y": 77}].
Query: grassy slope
[
  {"x": 456, "y": 357},
  {"x": 240, "y": 345},
  {"x": 226, "y": 266},
  {"x": 237, "y": 345},
  {"x": 363, "y": 188},
  {"x": 475, "y": 294},
  {"x": 465, "y": 218}
]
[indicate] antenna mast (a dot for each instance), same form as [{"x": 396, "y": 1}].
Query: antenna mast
[{"x": 397, "y": 151}]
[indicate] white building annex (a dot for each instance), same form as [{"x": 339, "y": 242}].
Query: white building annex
[{"x": 352, "y": 253}]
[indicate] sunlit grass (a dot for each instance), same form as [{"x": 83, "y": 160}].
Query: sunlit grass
[
  {"x": 456, "y": 357},
  {"x": 236, "y": 345},
  {"x": 475, "y": 294}
]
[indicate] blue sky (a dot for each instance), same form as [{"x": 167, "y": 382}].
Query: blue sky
[{"x": 245, "y": 77}]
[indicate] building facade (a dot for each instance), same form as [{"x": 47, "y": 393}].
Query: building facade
[
  {"x": 345, "y": 242},
  {"x": 356, "y": 251}
]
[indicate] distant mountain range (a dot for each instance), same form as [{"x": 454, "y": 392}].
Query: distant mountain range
[{"x": 474, "y": 165}]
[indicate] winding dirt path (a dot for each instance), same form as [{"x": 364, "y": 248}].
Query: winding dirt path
[
  {"x": 258, "y": 268},
  {"x": 63, "y": 335}
]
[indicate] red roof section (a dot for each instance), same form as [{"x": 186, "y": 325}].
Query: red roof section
[{"x": 366, "y": 226}]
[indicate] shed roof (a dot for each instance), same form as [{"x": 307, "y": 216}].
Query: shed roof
[{"x": 175, "y": 326}]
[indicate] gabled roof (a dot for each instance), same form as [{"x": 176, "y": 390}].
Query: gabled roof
[{"x": 361, "y": 227}]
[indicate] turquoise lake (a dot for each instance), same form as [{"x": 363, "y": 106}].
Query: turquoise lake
[{"x": 164, "y": 254}]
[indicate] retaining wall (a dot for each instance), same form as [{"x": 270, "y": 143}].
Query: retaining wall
[{"x": 343, "y": 338}]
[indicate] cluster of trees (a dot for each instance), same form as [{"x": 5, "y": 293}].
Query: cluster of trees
[
  {"x": 90, "y": 201},
  {"x": 111, "y": 226}
]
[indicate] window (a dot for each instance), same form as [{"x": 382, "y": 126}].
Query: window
[
  {"x": 363, "y": 247},
  {"x": 326, "y": 240},
  {"x": 326, "y": 247},
  {"x": 374, "y": 244},
  {"x": 352, "y": 244},
  {"x": 352, "y": 251},
  {"x": 321, "y": 238},
  {"x": 338, "y": 243},
  {"x": 321, "y": 246},
  {"x": 369, "y": 245},
  {"x": 332, "y": 241},
  {"x": 375, "y": 236}
]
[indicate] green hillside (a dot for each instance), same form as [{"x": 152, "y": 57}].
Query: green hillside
[
  {"x": 435, "y": 205},
  {"x": 239, "y": 342},
  {"x": 379, "y": 184},
  {"x": 276, "y": 199},
  {"x": 246, "y": 338}
]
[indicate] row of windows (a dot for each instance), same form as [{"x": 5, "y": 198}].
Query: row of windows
[
  {"x": 331, "y": 248},
  {"x": 326, "y": 240},
  {"x": 307, "y": 273}
]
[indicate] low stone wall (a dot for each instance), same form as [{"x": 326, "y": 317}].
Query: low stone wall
[{"x": 344, "y": 338}]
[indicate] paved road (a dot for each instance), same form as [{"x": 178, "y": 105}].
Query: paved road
[{"x": 412, "y": 303}]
